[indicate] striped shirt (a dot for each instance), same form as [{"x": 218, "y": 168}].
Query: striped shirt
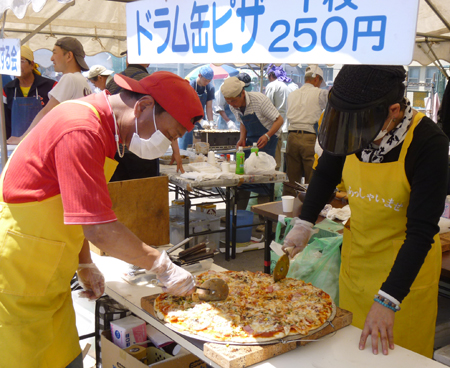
[{"x": 259, "y": 104}]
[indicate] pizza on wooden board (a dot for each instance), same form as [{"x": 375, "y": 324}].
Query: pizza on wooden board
[{"x": 257, "y": 309}]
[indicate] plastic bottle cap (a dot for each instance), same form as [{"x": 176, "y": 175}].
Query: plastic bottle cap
[
  {"x": 240, "y": 149},
  {"x": 255, "y": 144}
]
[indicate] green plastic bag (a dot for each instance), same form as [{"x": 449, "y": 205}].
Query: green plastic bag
[{"x": 319, "y": 263}]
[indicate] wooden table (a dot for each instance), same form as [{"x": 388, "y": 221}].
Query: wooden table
[{"x": 271, "y": 211}]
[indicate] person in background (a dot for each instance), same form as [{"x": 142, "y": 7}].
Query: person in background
[
  {"x": 260, "y": 122},
  {"x": 304, "y": 108},
  {"x": 278, "y": 91},
  {"x": 393, "y": 161},
  {"x": 54, "y": 195},
  {"x": 227, "y": 120},
  {"x": 205, "y": 91},
  {"x": 99, "y": 76},
  {"x": 68, "y": 59},
  {"x": 25, "y": 96},
  {"x": 135, "y": 71}
]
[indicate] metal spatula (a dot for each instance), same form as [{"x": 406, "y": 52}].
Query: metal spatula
[{"x": 212, "y": 290}]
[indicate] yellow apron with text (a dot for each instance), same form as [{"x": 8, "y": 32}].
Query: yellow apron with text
[
  {"x": 378, "y": 195},
  {"x": 38, "y": 258}
]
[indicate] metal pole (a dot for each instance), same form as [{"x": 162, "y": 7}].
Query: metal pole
[{"x": 4, "y": 148}]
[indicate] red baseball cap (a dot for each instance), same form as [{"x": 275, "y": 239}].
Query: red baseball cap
[{"x": 173, "y": 93}]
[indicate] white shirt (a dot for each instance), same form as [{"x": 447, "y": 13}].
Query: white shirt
[
  {"x": 220, "y": 100},
  {"x": 292, "y": 86},
  {"x": 259, "y": 104},
  {"x": 305, "y": 106},
  {"x": 278, "y": 93},
  {"x": 70, "y": 87}
]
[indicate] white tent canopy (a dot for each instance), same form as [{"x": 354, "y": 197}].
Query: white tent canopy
[{"x": 100, "y": 25}]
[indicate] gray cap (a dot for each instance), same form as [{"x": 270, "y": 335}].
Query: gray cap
[{"x": 72, "y": 44}]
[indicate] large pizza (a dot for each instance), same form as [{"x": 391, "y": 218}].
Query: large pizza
[{"x": 257, "y": 309}]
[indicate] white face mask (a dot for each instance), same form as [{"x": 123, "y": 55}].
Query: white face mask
[
  {"x": 151, "y": 148},
  {"x": 382, "y": 132}
]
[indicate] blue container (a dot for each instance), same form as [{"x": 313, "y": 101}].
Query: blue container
[{"x": 244, "y": 234}]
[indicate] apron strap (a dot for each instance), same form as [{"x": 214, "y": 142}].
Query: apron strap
[
  {"x": 84, "y": 104},
  {"x": 409, "y": 136}
]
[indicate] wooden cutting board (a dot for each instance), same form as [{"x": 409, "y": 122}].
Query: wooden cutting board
[
  {"x": 238, "y": 356},
  {"x": 142, "y": 205}
]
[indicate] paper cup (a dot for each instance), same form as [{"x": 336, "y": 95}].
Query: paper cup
[
  {"x": 226, "y": 167},
  {"x": 288, "y": 203},
  {"x": 211, "y": 158}
]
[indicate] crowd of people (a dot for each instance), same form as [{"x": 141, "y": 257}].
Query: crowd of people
[{"x": 392, "y": 160}]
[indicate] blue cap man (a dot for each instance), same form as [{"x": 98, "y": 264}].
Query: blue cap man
[{"x": 205, "y": 91}]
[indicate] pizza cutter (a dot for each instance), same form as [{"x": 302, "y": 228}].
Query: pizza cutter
[
  {"x": 211, "y": 290},
  {"x": 282, "y": 267}
]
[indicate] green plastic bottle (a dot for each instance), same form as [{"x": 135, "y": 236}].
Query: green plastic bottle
[
  {"x": 255, "y": 148},
  {"x": 240, "y": 158}
]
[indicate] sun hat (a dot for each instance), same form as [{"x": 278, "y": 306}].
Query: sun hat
[
  {"x": 97, "y": 70},
  {"x": 232, "y": 87}
]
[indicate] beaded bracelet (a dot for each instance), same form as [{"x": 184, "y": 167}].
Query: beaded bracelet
[{"x": 387, "y": 303}]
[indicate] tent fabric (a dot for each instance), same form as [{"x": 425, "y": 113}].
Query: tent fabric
[{"x": 100, "y": 25}]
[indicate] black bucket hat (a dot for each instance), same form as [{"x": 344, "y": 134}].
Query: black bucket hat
[{"x": 358, "y": 106}]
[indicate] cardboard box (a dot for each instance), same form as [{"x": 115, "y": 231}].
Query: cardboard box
[
  {"x": 128, "y": 331},
  {"x": 113, "y": 357}
]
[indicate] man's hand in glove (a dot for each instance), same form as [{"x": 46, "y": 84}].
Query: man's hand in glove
[
  {"x": 92, "y": 281},
  {"x": 176, "y": 280},
  {"x": 298, "y": 237}
]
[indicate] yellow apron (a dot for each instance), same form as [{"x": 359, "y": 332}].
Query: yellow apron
[
  {"x": 38, "y": 258},
  {"x": 378, "y": 195}
]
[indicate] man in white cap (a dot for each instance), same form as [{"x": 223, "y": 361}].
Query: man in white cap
[
  {"x": 304, "y": 108},
  {"x": 99, "y": 76},
  {"x": 68, "y": 58},
  {"x": 26, "y": 95},
  {"x": 260, "y": 123}
]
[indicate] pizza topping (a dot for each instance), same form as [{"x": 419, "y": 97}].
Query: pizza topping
[{"x": 257, "y": 309}]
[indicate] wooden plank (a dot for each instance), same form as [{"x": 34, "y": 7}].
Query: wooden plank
[
  {"x": 142, "y": 205},
  {"x": 239, "y": 356},
  {"x": 235, "y": 356}
]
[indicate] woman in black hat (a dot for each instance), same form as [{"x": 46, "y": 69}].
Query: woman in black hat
[{"x": 393, "y": 161}]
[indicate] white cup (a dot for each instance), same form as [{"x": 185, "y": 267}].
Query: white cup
[
  {"x": 288, "y": 203},
  {"x": 225, "y": 167},
  {"x": 211, "y": 158}
]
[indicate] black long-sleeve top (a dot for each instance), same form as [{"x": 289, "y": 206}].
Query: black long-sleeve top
[{"x": 426, "y": 167}]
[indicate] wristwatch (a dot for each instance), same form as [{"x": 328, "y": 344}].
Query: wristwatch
[{"x": 268, "y": 137}]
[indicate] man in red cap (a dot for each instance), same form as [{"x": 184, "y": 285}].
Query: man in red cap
[{"x": 55, "y": 196}]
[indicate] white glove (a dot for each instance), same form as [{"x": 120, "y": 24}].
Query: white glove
[
  {"x": 231, "y": 125},
  {"x": 175, "y": 280},
  {"x": 298, "y": 237},
  {"x": 92, "y": 281}
]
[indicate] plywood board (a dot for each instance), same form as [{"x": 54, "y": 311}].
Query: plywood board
[
  {"x": 142, "y": 205},
  {"x": 235, "y": 356}
]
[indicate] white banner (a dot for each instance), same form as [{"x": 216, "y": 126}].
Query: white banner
[
  {"x": 10, "y": 56},
  {"x": 272, "y": 31}
]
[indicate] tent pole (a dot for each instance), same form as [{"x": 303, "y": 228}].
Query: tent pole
[
  {"x": 437, "y": 12},
  {"x": 261, "y": 77},
  {"x": 4, "y": 149},
  {"x": 436, "y": 60},
  {"x": 49, "y": 20}
]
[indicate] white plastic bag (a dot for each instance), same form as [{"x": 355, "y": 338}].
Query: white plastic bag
[{"x": 261, "y": 164}]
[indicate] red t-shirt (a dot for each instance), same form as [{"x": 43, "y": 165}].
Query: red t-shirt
[{"x": 65, "y": 154}]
